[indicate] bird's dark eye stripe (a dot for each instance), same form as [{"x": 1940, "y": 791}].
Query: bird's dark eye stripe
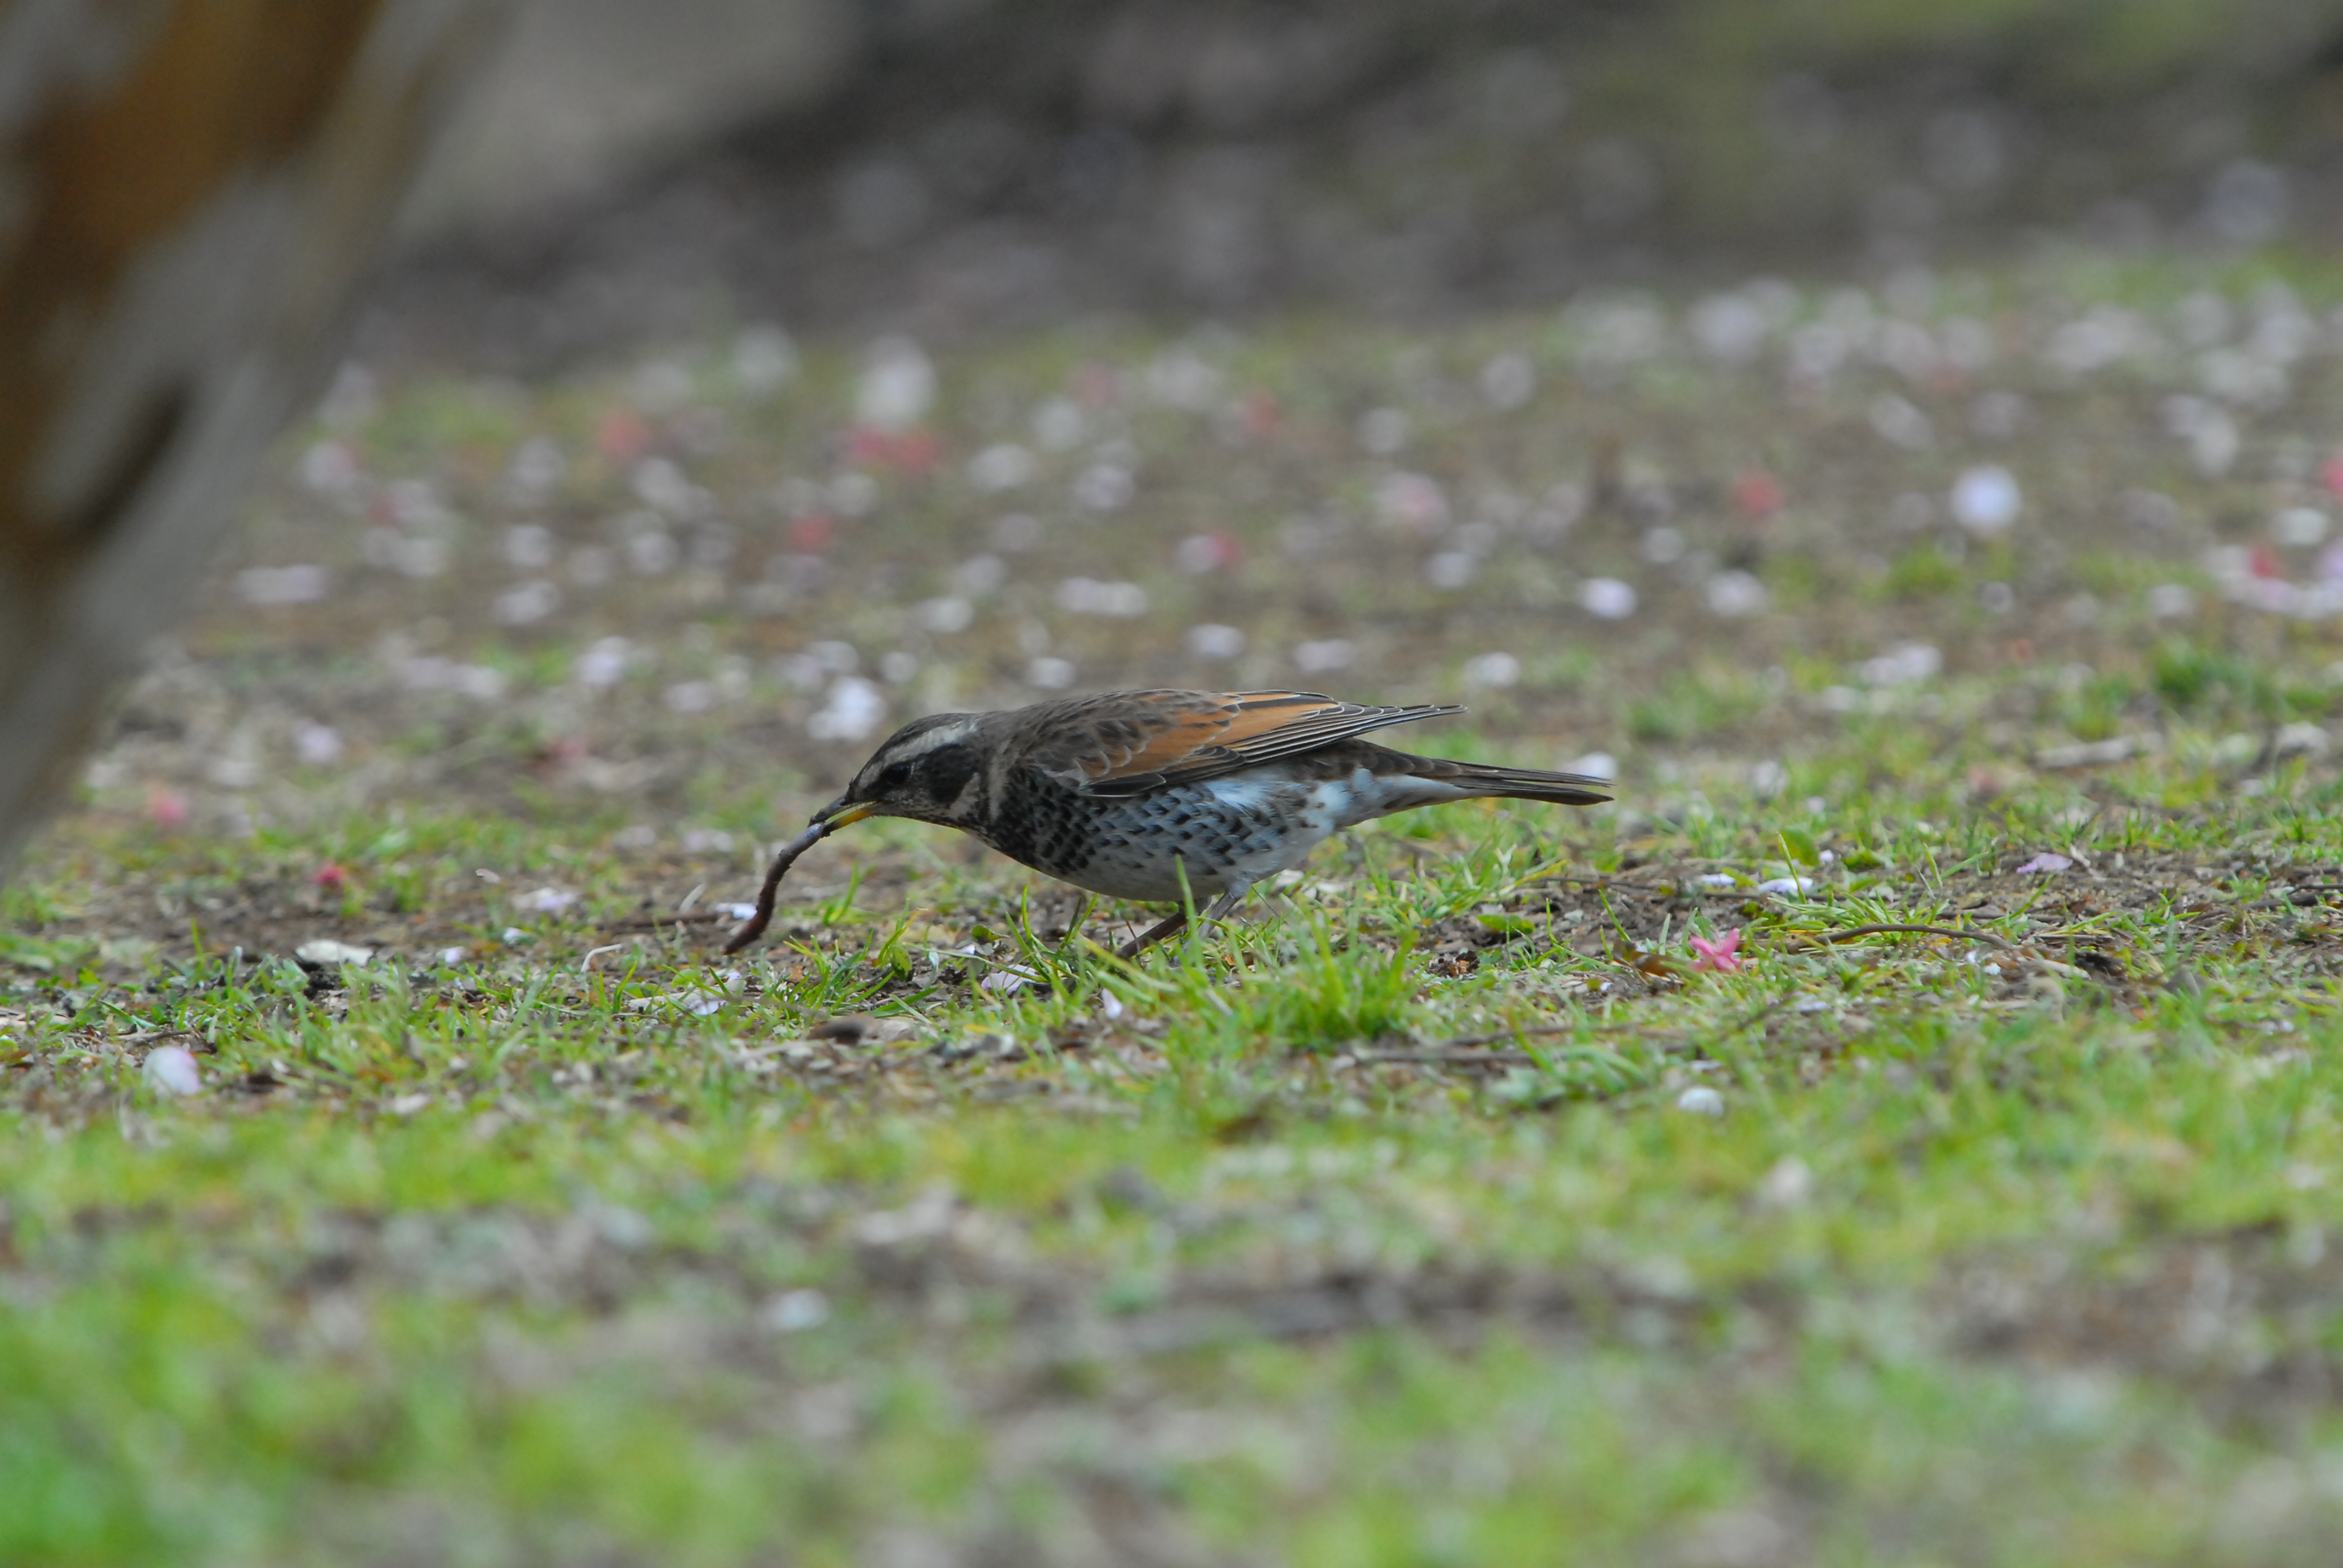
[{"x": 946, "y": 770}]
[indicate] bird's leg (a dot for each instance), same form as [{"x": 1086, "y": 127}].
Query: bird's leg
[
  {"x": 1151, "y": 935},
  {"x": 1219, "y": 909},
  {"x": 1226, "y": 904}
]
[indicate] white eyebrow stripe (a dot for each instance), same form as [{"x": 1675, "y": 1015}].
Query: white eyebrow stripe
[{"x": 942, "y": 735}]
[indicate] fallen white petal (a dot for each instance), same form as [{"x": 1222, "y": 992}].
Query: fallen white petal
[{"x": 172, "y": 1068}]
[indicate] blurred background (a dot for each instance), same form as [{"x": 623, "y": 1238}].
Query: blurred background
[
  {"x": 958, "y": 166},
  {"x": 1693, "y": 388}
]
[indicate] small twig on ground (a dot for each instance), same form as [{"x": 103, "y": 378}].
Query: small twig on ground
[
  {"x": 1821, "y": 939},
  {"x": 654, "y": 922},
  {"x": 1432, "y": 1057},
  {"x": 1650, "y": 890},
  {"x": 1465, "y": 1041}
]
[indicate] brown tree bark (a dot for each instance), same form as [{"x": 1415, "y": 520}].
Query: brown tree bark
[{"x": 188, "y": 191}]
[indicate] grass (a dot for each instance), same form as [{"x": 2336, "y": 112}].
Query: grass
[
  {"x": 497, "y": 1260},
  {"x": 1442, "y": 1208}
]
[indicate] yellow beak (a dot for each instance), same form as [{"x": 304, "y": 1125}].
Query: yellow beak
[{"x": 852, "y": 814}]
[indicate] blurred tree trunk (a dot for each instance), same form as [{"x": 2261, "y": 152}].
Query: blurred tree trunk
[{"x": 188, "y": 191}]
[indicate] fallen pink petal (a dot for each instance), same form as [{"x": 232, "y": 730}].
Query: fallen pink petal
[
  {"x": 2045, "y": 863},
  {"x": 1721, "y": 954},
  {"x": 621, "y": 436},
  {"x": 1757, "y": 494}
]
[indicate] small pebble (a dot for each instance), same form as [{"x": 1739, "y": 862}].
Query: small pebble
[{"x": 1700, "y": 1100}]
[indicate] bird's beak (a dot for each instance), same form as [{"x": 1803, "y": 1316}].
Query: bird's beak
[{"x": 838, "y": 814}]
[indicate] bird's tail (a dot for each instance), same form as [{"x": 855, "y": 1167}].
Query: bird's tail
[{"x": 1484, "y": 778}]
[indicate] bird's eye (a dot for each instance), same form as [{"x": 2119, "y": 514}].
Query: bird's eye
[{"x": 894, "y": 776}]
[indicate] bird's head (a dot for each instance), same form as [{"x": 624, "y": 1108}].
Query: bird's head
[{"x": 927, "y": 770}]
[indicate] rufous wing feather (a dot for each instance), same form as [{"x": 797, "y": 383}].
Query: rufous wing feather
[{"x": 1148, "y": 739}]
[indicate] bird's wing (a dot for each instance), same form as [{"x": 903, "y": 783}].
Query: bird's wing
[{"x": 1131, "y": 742}]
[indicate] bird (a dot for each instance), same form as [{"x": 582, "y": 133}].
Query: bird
[{"x": 1160, "y": 796}]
